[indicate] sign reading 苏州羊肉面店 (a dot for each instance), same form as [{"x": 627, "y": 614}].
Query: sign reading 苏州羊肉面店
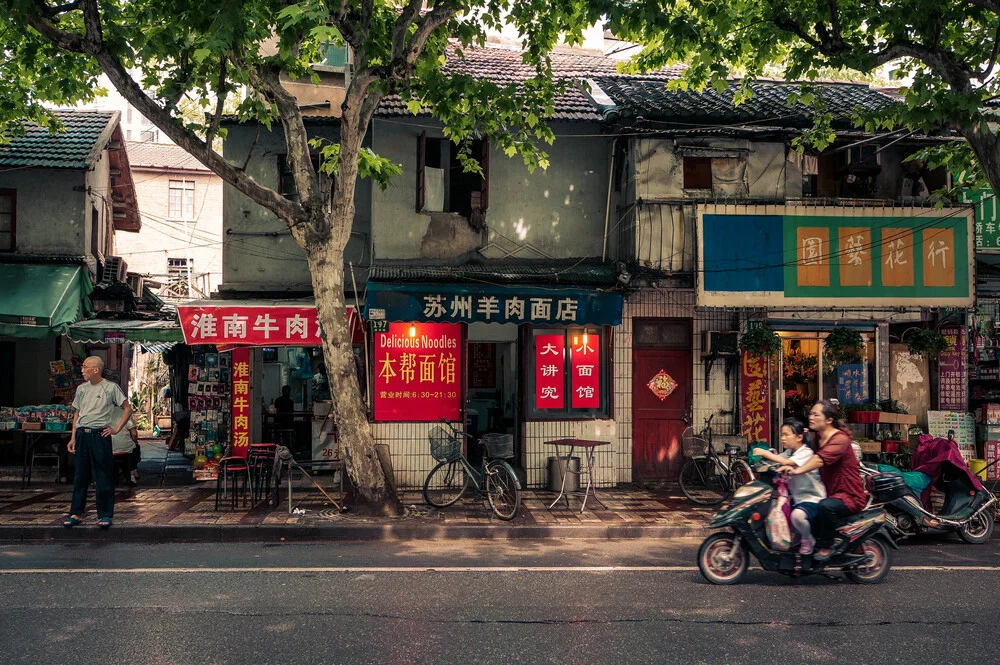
[{"x": 841, "y": 256}]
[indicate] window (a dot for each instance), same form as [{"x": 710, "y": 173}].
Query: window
[
  {"x": 286, "y": 181},
  {"x": 180, "y": 204},
  {"x": 8, "y": 220},
  {"x": 697, "y": 173},
  {"x": 443, "y": 184},
  {"x": 149, "y": 136},
  {"x": 568, "y": 373},
  {"x": 179, "y": 273}
]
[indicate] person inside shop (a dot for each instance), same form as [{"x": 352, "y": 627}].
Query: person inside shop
[
  {"x": 320, "y": 384},
  {"x": 90, "y": 441},
  {"x": 838, "y": 467},
  {"x": 127, "y": 441},
  {"x": 284, "y": 407}
]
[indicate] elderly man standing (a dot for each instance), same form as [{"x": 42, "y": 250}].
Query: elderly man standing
[{"x": 91, "y": 442}]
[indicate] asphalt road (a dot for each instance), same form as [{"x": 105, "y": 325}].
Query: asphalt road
[{"x": 482, "y": 602}]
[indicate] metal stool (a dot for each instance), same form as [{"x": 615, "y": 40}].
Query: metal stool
[
  {"x": 231, "y": 471},
  {"x": 261, "y": 461},
  {"x": 37, "y": 455}
]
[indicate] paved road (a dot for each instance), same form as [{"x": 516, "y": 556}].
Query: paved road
[{"x": 482, "y": 602}]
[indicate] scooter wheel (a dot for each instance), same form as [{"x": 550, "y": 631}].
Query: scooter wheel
[
  {"x": 979, "y": 530},
  {"x": 720, "y": 562},
  {"x": 876, "y": 567}
]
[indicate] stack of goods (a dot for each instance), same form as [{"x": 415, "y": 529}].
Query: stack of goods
[
  {"x": 208, "y": 401},
  {"x": 939, "y": 423},
  {"x": 8, "y": 417},
  {"x": 64, "y": 378},
  {"x": 50, "y": 417}
]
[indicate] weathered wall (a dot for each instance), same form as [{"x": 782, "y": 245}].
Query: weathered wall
[
  {"x": 161, "y": 238},
  {"x": 558, "y": 212},
  {"x": 51, "y": 217},
  {"x": 259, "y": 252}
]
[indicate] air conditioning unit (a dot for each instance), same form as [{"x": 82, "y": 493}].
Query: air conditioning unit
[
  {"x": 115, "y": 270},
  {"x": 720, "y": 343}
]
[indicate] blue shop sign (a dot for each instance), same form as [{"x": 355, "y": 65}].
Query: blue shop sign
[{"x": 455, "y": 303}]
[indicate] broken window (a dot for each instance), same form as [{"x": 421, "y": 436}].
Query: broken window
[
  {"x": 697, "y": 173},
  {"x": 443, "y": 184},
  {"x": 286, "y": 180}
]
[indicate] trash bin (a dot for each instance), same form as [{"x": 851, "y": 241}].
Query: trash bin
[{"x": 557, "y": 467}]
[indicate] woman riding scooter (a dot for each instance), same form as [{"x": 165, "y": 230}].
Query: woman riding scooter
[{"x": 840, "y": 471}]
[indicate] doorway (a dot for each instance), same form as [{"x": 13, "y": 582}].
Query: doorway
[
  {"x": 491, "y": 404},
  {"x": 661, "y": 395}
]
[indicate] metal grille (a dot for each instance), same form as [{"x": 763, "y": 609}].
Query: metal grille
[{"x": 498, "y": 446}]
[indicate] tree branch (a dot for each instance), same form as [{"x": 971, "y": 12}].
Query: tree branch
[
  {"x": 220, "y": 104},
  {"x": 956, "y": 74},
  {"x": 403, "y": 23},
  {"x": 989, "y": 5}
]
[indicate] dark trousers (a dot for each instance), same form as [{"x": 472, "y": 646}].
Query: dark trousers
[
  {"x": 93, "y": 459},
  {"x": 830, "y": 512}
]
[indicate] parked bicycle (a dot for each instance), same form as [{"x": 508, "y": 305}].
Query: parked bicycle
[
  {"x": 706, "y": 479},
  {"x": 494, "y": 478}
]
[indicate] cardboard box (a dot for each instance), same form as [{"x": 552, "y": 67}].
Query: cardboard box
[{"x": 870, "y": 446}]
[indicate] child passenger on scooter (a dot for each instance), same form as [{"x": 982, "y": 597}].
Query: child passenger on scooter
[{"x": 807, "y": 489}]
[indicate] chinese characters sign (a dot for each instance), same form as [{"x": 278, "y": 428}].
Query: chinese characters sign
[
  {"x": 241, "y": 402},
  {"x": 460, "y": 304},
  {"x": 585, "y": 368},
  {"x": 952, "y": 371},
  {"x": 250, "y": 325},
  {"x": 774, "y": 255},
  {"x": 987, "y": 229},
  {"x": 755, "y": 420},
  {"x": 852, "y": 384},
  {"x": 418, "y": 377},
  {"x": 550, "y": 371}
]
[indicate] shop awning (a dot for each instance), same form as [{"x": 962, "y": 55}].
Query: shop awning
[
  {"x": 256, "y": 322},
  {"x": 42, "y": 300},
  {"x": 118, "y": 331},
  {"x": 492, "y": 303}
]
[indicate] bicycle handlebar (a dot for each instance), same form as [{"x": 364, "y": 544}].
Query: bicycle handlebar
[{"x": 455, "y": 430}]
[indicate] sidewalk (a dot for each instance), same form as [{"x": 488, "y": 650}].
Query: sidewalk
[{"x": 187, "y": 514}]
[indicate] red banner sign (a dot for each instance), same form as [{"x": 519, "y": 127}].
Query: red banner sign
[
  {"x": 418, "y": 372},
  {"x": 585, "y": 372},
  {"x": 257, "y": 325},
  {"x": 550, "y": 371},
  {"x": 754, "y": 399},
  {"x": 241, "y": 402}
]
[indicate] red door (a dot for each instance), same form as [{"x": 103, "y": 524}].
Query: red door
[{"x": 661, "y": 385}]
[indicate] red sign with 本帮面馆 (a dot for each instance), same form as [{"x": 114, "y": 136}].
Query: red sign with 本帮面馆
[
  {"x": 418, "y": 372},
  {"x": 550, "y": 371},
  {"x": 585, "y": 371},
  {"x": 241, "y": 402},
  {"x": 754, "y": 399}
]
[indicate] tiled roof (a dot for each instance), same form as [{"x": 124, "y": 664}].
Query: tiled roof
[
  {"x": 504, "y": 66},
  {"x": 74, "y": 148},
  {"x": 650, "y": 100},
  {"x": 161, "y": 155},
  {"x": 566, "y": 273}
]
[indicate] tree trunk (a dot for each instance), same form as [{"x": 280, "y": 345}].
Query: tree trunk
[{"x": 357, "y": 444}]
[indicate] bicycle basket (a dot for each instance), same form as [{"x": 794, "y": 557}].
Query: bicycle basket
[
  {"x": 498, "y": 446},
  {"x": 444, "y": 446},
  {"x": 694, "y": 445}
]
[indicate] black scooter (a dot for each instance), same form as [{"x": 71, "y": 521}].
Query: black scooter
[
  {"x": 862, "y": 550},
  {"x": 966, "y": 509}
]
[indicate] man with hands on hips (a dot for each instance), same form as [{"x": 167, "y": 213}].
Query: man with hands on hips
[{"x": 90, "y": 441}]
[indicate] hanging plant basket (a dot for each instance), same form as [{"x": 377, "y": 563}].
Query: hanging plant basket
[
  {"x": 926, "y": 342},
  {"x": 843, "y": 346},
  {"x": 762, "y": 341}
]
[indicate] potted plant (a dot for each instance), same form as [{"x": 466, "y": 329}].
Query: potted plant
[
  {"x": 760, "y": 341},
  {"x": 926, "y": 342},
  {"x": 863, "y": 413},
  {"x": 843, "y": 346}
]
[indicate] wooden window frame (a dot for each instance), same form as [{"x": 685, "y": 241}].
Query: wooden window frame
[
  {"x": 605, "y": 412},
  {"x": 12, "y": 193},
  {"x": 484, "y": 161}
]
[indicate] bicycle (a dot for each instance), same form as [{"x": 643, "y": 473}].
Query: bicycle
[
  {"x": 448, "y": 481},
  {"x": 706, "y": 479}
]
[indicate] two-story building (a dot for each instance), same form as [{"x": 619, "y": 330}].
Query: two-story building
[{"x": 63, "y": 197}]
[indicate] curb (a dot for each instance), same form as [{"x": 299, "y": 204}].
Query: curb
[{"x": 340, "y": 532}]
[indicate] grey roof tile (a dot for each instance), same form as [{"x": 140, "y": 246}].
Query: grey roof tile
[
  {"x": 161, "y": 155},
  {"x": 72, "y": 148}
]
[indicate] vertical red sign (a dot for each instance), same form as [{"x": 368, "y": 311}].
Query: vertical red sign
[
  {"x": 418, "y": 372},
  {"x": 241, "y": 402},
  {"x": 585, "y": 371},
  {"x": 754, "y": 400},
  {"x": 550, "y": 371}
]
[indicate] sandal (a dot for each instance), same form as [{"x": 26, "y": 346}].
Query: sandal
[
  {"x": 104, "y": 522},
  {"x": 71, "y": 521}
]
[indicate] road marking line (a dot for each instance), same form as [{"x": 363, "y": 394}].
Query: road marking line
[{"x": 429, "y": 569}]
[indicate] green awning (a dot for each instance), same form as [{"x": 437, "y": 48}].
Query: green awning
[
  {"x": 98, "y": 331},
  {"x": 42, "y": 300}
]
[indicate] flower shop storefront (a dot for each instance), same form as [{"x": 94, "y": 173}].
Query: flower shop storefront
[{"x": 828, "y": 298}]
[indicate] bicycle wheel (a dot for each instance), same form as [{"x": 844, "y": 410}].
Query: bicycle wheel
[
  {"x": 502, "y": 491},
  {"x": 739, "y": 475},
  {"x": 445, "y": 484},
  {"x": 702, "y": 483}
]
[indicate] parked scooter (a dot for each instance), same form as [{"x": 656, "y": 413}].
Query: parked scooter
[
  {"x": 862, "y": 550},
  {"x": 967, "y": 504}
]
